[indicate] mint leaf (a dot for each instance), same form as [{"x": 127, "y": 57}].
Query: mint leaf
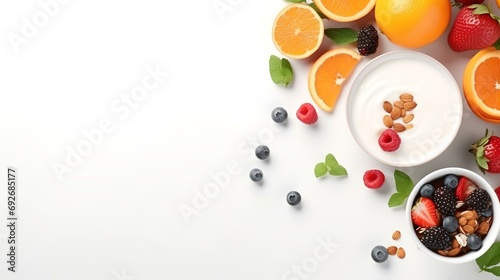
[
  {"x": 331, "y": 161},
  {"x": 338, "y": 170},
  {"x": 320, "y": 169},
  {"x": 495, "y": 270},
  {"x": 490, "y": 257},
  {"x": 320, "y": 13},
  {"x": 396, "y": 199},
  {"x": 404, "y": 184},
  {"x": 280, "y": 70},
  {"x": 341, "y": 36}
]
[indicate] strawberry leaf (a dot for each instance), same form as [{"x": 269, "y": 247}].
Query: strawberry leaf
[
  {"x": 404, "y": 184},
  {"x": 341, "y": 36},
  {"x": 479, "y": 9},
  {"x": 490, "y": 258}
]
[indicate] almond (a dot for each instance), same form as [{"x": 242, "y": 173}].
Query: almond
[
  {"x": 406, "y": 97},
  {"x": 392, "y": 250},
  {"x": 408, "y": 106},
  {"x": 396, "y": 235},
  {"x": 408, "y": 118},
  {"x": 409, "y": 126},
  {"x": 468, "y": 214},
  {"x": 387, "y": 106},
  {"x": 467, "y": 229},
  {"x": 484, "y": 227},
  {"x": 388, "y": 121},
  {"x": 398, "y": 127},
  {"x": 395, "y": 113},
  {"x": 453, "y": 252},
  {"x": 442, "y": 253},
  {"x": 399, "y": 104},
  {"x": 403, "y": 113},
  {"x": 462, "y": 221},
  {"x": 401, "y": 253}
]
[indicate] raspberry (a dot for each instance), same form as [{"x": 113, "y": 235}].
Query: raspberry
[
  {"x": 374, "y": 179},
  {"x": 389, "y": 140},
  {"x": 307, "y": 114},
  {"x": 367, "y": 40}
]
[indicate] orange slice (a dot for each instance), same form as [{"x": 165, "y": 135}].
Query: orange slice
[
  {"x": 481, "y": 84},
  {"x": 328, "y": 74},
  {"x": 345, "y": 10},
  {"x": 298, "y": 31}
]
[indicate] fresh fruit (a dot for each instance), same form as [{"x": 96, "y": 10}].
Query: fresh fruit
[
  {"x": 423, "y": 213},
  {"x": 298, "y": 31},
  {"x": 436, "y": 238},
  {"x": 465, "y": 188},
  {"x": 445, "y": 201},
  {"x": 478, "y": 200},
  {"x": 488, "y": 212},
  {"x": 497, "y": 191},
  {"x": 345, "y": 11},
  {"x": 327, "y": 75},
  {"x": 279, "y": 114},
  {"x": 451, "y": 181},
  {"x": 379, "y": 254},
  {"x": 367, "y": 40},
  {"x": 307, "y": 113},
  {"x": 262, "y": 152},
  {"x": 474, "y": 242},
  {"x": 498, "y": 3},
  {"x": 373, "y": 179},
  {"x": 463, "y": 3},
  {"x": 256, "y": 175},
  {"x": 412, "y": 23},
  {"x": 487, "y": 153},
  {"x": 450, "y": 223},
  {"x": 474, "y": 28},
  {"x": 293, "y": 198},
  {"x": 480, "y": 84},
  {"x": 427, "y": 190},
  {"x": 389, "y": 140}
]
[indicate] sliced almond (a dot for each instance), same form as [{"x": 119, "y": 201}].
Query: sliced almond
[
  {"x": 392, "y": 250},
  {"x": 398, "y": 127},
  {"x": 387, "y": 106},
  {"x": 406, "y": 97},
  {"x": 396, "y": 235},
  {"x": 388, "y": 122},
  {"x": 408, "y": 118},
  {"x": 408, "y": 106},
  {"x": 401, "y": 253}
]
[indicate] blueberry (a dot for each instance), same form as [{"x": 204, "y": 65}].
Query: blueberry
[
  {"x": 279, "y": 115},
  {"x": 293, "y": 198},
  {"x": 426, "y": 190},
  {"x": 256, "y": 175},
  {"x": 488, "y": 212},
  {"x": 451, "y": 181},
  {"x": 262, "y": 152},
  {"x": 379, "y": 254},
  {"x": 450, "y": 224},
  {"x": 474, "y": 242}
]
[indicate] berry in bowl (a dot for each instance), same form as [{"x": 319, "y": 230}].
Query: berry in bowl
[{"x": 451, "y": 214}]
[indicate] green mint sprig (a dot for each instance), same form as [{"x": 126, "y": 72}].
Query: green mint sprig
[
  {"x": 341, "y": 36},
  {"x": 331, "y": 166},
  {"x": 281, "y": 70},
  {"x": 489, "y": 260},
  {"x": 404, "y": 185}
]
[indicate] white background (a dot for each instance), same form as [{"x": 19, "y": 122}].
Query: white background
[{"x": 116, "y": 214}]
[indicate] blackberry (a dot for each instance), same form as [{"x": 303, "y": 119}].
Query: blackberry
[
  {"x": 367, "y": 40},
  {"x": 478, "y": 200},
  {"x": 436, "y": 238},
  {"x": 445, "y": 201}
]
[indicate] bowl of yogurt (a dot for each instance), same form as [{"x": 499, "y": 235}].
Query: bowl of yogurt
[{"x": 436, "y": 108}]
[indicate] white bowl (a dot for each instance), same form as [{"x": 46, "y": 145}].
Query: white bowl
[
  {"x": 438, "y": 114},
  {"x": 480, "y": 182}
]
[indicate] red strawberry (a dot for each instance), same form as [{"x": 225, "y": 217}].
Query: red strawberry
[
  {"x": 423, "y": 213},
  {"x": 474, "y": 28},
  {"x": 497, "y": 191},
  {"x": 307, "y": 114},
  {"x": 487, "y": 153},
  {"x": 465, "y": 188},
  {"x": 463, "y": 3}
]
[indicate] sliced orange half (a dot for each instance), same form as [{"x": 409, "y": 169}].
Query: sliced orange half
[
  {"x": 328, "y": 74},
  {"x": 298, "y": 31},
  {"x": 481, "y": 84},
  {"x": 345, "y": 10}
]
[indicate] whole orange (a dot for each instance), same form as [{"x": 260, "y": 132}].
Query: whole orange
[{"x": 412, "y": 23}]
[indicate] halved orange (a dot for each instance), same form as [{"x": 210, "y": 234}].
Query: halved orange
[
  {"x": 298, "y": 30},
  {"x": 327, "y": 75},
  {"x": 345, "y": 10},
  {"x": 481, "y": 84}
]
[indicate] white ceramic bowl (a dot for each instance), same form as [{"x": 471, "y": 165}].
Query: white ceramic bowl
[
  {"x": 438, "y": 114},
  {"x": 480, "y": 182}
]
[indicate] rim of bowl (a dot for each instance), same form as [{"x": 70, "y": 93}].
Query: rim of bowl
[{"x": 478, "y": 180}]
